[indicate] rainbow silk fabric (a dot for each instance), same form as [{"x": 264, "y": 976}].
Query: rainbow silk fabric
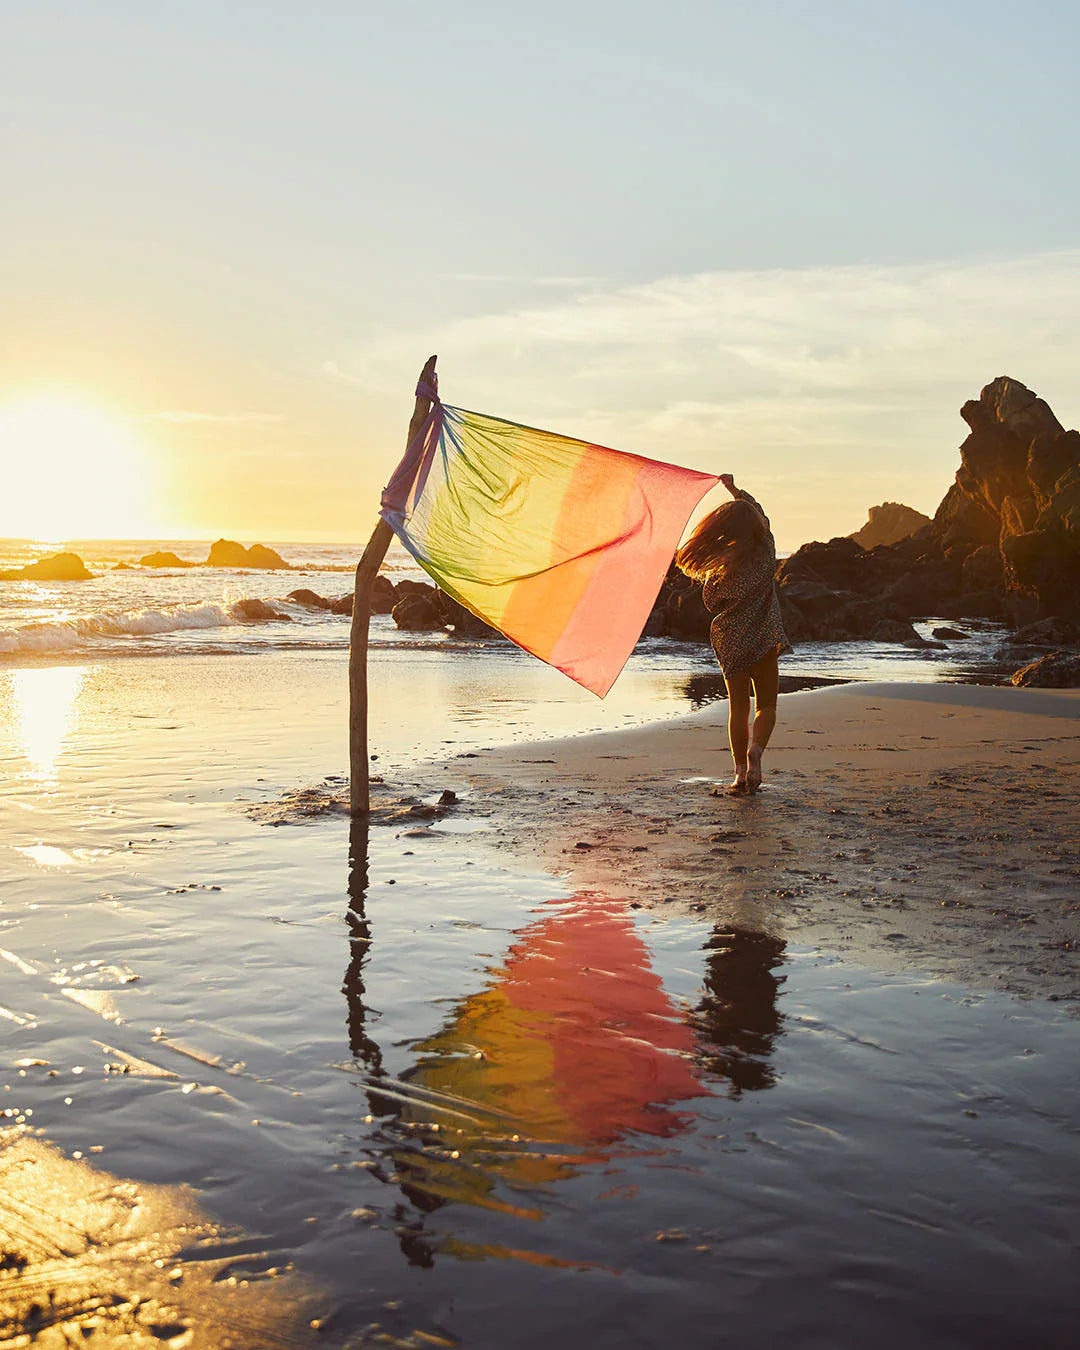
[{"x": 559, "y": 544}]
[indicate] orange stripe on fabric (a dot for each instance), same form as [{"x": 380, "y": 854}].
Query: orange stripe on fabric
[{"x": 591, "y": 517}]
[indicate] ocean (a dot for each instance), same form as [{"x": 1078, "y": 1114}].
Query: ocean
[{"x": 131, "y": 611}]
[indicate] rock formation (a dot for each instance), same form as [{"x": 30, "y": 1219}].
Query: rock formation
[
  {"x": 418, "y": 609},
  {"x": 1016, "y": 503},
  {"x": 1059, "y": 670},
  {"x": 258, "y": 611},
  {"x": 424, "y": 608},
  {"x": 383, "y": 596},
  {"x": 308, "y": 599},
  {"x": 888, "y": 524},
  {"x": 58, "y": 567},
  {"x": 164, "y": 559},
  {"x": 228, "y": 553},
  {"x": 1051, "y": 632},
  {"x": 1003, "y": 544}
]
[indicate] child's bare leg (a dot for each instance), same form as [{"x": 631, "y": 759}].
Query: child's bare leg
[
  {"x": 738, "y": 687},
  {"x": 765, "y": 676}
]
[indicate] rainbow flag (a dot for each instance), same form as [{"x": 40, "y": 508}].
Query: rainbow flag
[{"x": 559, "y": 544}]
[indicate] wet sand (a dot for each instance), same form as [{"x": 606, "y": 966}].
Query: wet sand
[
  {"x": 441, "y": 1082},
  {"x": 932, "y": 826}
]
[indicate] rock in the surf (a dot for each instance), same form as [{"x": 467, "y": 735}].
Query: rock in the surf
[
  {"x": 228, "y": 553},
  {"x": 1053, "y": 631},
  {"x": 419, "y": 610},
  {"x": 309, "y": 599},
  {"x": 1059, "y": 670},
  {"x": 164, "y": 558},
  {"x": 258, "y": 611},
  {"x": 58, "y": 567}
]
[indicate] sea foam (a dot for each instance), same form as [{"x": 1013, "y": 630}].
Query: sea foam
[{"x": 43, "y": 639}]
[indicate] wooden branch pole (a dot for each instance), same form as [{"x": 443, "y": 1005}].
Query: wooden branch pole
[{"x": 366, "y": 571}]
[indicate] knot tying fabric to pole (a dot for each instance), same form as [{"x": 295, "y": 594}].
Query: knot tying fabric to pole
[{"x": 560, "y": 544}]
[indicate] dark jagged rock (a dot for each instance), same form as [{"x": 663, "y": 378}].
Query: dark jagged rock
[
  {"x": 950, "y": 634},
  {"x": 686, "y": 617},
  {"x": 1003, "y": 544},
  {"x": 1020, "y": 481},
  {"x": 164, "y": 559},
  {"x": 974, "y": 605},
  {"x": 1059, "y": 670},
  {"x": 309, "y": 599},
  {"x": 896, "y": 630},
  {"x": 58, "y": 567},
  {"x": 982, "y": 569},
  {"x": 888, "y": 524},
  {"x": 228, "y": 553},
  {"x": 419, "y": 610},
  {"x": 258, "y": 611},
  {"x": 424, "y": 608},
  {"x": 1050, "y": 632},
  {"x": 463, "y": 621},
  {"x": 678, "y": 611},
  {"x": 383, "y": 596},
  {"x": 409, "y": 587},
  {"x": 261, "y": 556}
]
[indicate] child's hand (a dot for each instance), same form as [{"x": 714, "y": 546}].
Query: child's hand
[{"x": 728, "y": 481}]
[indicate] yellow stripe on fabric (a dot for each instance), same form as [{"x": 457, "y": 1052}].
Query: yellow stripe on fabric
[{"x": 517, "y": 481}]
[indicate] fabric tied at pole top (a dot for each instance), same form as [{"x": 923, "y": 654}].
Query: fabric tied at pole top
[{"x": 559, "y": 544}]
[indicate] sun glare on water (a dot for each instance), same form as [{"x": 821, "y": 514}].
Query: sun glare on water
[{"x": 69, "y": 472}]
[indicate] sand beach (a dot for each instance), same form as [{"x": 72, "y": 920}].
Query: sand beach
[
  {"x": 589, "y": 1054},
  {"x": 908, "y": 825}
]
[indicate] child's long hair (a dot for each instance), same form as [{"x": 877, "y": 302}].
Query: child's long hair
[{"x": 734, "y": 534}]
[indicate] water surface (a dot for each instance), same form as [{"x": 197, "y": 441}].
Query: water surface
[{"x": 463, "y": 1101}]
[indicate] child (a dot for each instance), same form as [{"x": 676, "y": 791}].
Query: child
[{"x": 732, "y": 551}]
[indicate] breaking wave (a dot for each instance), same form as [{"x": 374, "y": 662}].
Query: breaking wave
[{"x": 66, "y": 635}]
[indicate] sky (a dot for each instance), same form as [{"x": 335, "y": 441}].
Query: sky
[{"x": 785, "y": 240}]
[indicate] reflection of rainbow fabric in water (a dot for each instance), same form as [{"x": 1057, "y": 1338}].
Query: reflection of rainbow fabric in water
[
  {"x": 560, "y": 544},
  {"x": 574, "y": 1047}
]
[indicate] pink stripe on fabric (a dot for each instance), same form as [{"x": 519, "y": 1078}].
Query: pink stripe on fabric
[{"x": 608, "y": 619}]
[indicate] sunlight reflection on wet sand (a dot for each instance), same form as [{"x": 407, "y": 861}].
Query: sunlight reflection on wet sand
[
  {"x": 128, "y": 1264},
  {"x": 42, "y": 705}
]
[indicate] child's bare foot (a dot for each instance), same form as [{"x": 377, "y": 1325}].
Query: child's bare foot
[
  {"x": 737, "y": 785},
  {"x": 753, "y": 768}
]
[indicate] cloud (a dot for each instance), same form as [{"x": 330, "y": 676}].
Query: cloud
[
  {"x": 831, "y": 386},
  {"x": 497, "y": 279}
]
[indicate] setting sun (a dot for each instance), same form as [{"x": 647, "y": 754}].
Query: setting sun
[{"x": 70, "y": 471}]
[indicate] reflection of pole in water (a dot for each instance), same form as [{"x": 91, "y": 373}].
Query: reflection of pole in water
[
  {"x": 737, "y": 1018},
  {"x": 362, "y": 1045}
]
